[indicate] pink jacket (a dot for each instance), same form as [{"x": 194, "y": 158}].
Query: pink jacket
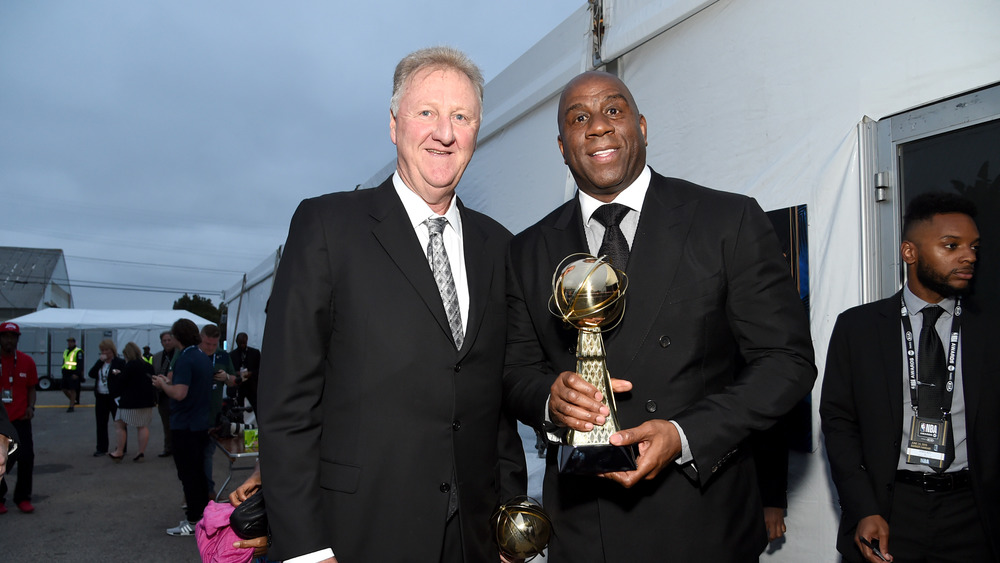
[{"x": 215, "y": 537}]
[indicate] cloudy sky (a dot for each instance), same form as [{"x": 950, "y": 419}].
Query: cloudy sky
[{"x": 163, "y": 146}]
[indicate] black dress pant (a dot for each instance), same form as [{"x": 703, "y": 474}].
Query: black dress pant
[
  {"x": 189, "y": 458},
  {"x": 23, "y": 459},
  {"x": 936, "y": 527},
  {"x": 104, "y": 410},
  {"x": 163, "y": 407}
]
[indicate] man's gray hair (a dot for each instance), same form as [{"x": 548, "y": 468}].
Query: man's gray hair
[{"x": 436, "y": 58}]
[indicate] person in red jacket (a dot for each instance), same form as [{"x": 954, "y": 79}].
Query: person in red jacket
[{"x": 18, "y": 377}]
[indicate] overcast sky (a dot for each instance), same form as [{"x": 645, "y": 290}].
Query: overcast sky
[{"x": 166, "y": 144}]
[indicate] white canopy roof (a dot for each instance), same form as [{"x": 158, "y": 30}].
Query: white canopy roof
[{"x": 106, "y": 318}]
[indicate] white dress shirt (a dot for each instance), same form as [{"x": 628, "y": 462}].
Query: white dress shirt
[{"x": 418, "y": 212}]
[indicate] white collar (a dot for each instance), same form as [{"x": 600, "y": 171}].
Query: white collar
[
  {"x": 418, "y": 211},
  {"x": 631, "y": 197}
]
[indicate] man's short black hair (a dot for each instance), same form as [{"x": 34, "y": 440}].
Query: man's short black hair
[{"x": 926, "y": 206}]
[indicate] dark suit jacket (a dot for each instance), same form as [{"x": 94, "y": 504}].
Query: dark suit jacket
[
  {"x": 862, "y": 413},
  {"x": 6, "y": 428},
  {"x": 134, "y": 385},
  {"x": 161, "y": 365},
  {"x": 368, "y": 414},
  {"x": 117, "y": 363},
  {"x": 248, "y": 389},
  {"x": 713, "y": 336}
]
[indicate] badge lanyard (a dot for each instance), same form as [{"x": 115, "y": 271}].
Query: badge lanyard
[
  {"x": 911, "y": 356},
  {"x": 7, "y": 394}
]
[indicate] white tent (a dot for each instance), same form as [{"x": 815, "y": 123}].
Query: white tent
[
  {"x": 43, "y": 333},
  {"x": 793, "y": 103},
  {"x": 247, "y": 300}
]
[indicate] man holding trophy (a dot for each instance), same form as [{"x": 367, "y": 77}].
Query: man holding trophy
[
  {"x": 381, "y": 430},
  {"x": 710, "y": 343}
]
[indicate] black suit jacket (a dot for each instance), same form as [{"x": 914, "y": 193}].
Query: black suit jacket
[
  {"x": 249, "y": 359},
  {"x": 862, "y": 413},
  {"x": 713, "y": 336},
  {"x": 368, "y": 414},
  {"x": 117, "y": 363},
  {"x": 6, "y": 428}
]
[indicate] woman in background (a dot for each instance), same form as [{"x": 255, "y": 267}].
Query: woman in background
[
  {"x": 137, "y": 397},
  {"x": 107, "y": 365}
]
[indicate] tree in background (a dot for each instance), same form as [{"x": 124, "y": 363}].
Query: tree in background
[{"x": 203, "y": 307}]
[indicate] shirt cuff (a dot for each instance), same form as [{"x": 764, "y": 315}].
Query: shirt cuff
[
  {"x": 314, "y": 557},
  {"x": 685, "y": 456},
  {"x": 11, "y": 444},
  {"x": 553, "y": 433}
]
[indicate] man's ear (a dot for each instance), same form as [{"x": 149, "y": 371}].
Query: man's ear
[
  {"x": 563, "y": 153},
  {"x": 908, "y": 250},
  {"x": 392, "y": 127}
]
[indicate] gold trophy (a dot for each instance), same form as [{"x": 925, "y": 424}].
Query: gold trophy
[
  {"x": 588, "y": 293},
  {"x": 521, "y": 528}
]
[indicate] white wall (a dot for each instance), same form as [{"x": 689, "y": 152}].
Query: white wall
[{"x": 760, "y": 97}]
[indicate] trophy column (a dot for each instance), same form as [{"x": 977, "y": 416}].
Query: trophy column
[{"x": 591, "y": 366}]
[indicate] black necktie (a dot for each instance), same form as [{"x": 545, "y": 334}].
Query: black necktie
[
  {"x": 933, "y": 375},
  {"x": 614, "y": 245}
]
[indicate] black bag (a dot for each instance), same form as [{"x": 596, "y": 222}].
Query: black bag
[{"x": 249, "y": 519}]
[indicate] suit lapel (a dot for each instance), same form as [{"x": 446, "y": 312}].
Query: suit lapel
[
  {"x": 479, "y": 274},
  {"x": 564, "y": 236},
  {"x": 396, "y": 235},
  {"x": 888, "y": 339},
  {"x": 973, "y": 341},
  {"x": 657, "y": 251}
]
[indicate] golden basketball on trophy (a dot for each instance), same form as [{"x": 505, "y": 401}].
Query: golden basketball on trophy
[
  {"x": 521, "y": 528},
  {"x": 589, "y": 293}
]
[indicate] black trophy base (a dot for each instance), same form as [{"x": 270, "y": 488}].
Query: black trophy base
[{"x": 595, "y": 459}]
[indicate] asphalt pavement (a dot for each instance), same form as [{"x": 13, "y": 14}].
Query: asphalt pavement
[{"x": 92, "y": 509}]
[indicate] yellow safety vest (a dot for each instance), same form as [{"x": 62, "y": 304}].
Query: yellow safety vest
[
  {"x": 69, "y": 359},
  {"x": 148, "y": 360}
]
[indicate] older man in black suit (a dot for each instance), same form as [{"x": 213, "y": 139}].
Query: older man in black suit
[
  {"x": 714, "y": 343},
  {"x": 382, "y": 436}
]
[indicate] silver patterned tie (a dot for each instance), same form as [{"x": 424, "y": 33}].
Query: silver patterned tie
[{"x": 438, "y": 259}]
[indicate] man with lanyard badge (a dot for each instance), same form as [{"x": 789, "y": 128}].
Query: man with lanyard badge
[{"x": 909, "y": 404}]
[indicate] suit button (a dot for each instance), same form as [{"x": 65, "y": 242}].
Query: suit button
[
  {"x": 571, "y": 350},
  {"x": 457, "y": 425},
  {"x": 444, "y": 487},
  {"x": 458, "y": 368},
  {"x": 888, "y": 487},
  {"x": 664, "y": 341},
  {"x": 650, "y": 406}
]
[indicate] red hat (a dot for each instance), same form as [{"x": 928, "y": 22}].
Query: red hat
[{"x": 10, "y": 327}]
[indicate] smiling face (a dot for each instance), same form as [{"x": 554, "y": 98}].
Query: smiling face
[
  {"x": 435, "y": 132},
  {"x": 602, "y": 136},
  {"x": 940, "y": 255}
]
